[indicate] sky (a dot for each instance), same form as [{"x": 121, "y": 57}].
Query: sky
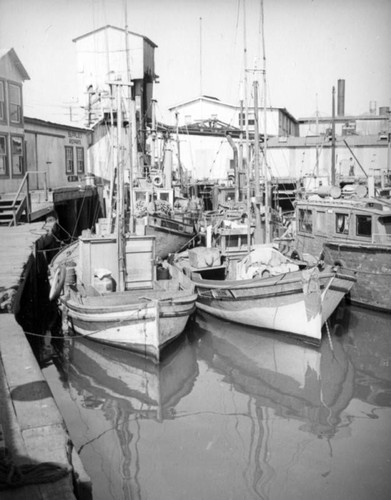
[{"x": 309, "y": 45}]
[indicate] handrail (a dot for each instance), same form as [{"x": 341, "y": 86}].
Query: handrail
[{"x": 25, "y": 180}]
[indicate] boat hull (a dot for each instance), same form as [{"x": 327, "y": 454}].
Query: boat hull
[
  {"x": 144, "y": 327},
  {"x": 373, "y": 265},
  {"x": 298, "y": 303},
  {"x": 171, "y": 236}
]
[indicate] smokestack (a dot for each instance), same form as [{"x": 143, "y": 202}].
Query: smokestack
[{"x": 341, "y": 98}]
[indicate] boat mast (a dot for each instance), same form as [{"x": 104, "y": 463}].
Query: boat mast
[
  {"x": 333, "y": 139},
  {"x": 257, "y": 235},
  {"x": 265, "y": 172},
  {"x": 247, "y": 133},
  {"x": 130, "y": 120},
  {"x": 120, "y": 195}
]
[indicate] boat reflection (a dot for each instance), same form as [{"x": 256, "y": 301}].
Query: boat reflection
[
  {"x": 116, "y": 390},
  {"x": 311, "y": 385}
]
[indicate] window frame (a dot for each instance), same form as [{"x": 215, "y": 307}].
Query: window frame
[
  {"x": 341, "y": 225},
  {"x": 21, "y": 155},
  {"x": 306, "y": 221},
  {"x": 19, "y": 107},
  {"x": 3, "y": 103},
  {"x": 361, "y": 235},
  {"x": 6, "y": 156},
  {"x": 80, "y": 169},
  {"x": 69, "y": 170}
]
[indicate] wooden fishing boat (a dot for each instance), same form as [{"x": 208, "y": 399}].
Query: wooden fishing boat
[
  {"x": 144, "y": 317},
  {"x": 268, "y": 289},
  {"x": 156, "y": 216},
  {"x": 353, "y": 230}
]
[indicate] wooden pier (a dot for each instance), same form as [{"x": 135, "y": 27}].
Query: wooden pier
[{"x": 33, "y": 436}]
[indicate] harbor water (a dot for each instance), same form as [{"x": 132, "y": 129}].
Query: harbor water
[{"x": 234, "y": 413}]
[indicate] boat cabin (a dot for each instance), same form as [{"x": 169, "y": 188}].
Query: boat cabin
[{"x": 365, "y": 221}]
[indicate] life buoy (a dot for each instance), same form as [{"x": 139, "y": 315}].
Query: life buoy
[
  {"x": 57, "y": 283},
  {"x": 158, "y": 180}
]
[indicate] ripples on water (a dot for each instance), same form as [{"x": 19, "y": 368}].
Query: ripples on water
[{"x": 234, "y": 414}]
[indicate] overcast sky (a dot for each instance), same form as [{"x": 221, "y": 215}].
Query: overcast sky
[{"x": 310, "y": 44}]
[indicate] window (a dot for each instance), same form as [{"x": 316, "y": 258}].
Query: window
[
  {"x": 80, "y": 160},
  {"x": 17, "y": 155},
  {"x": 364, "y": 225},
  {"x": 3, "y": 156},
  {"x": 15, "y": 103},
  {"x": 69, "y": 161},
  {"x": 3, "y": 118},
  {"x": 305, "y": 221},
  {"x": 342, "y": 223}
]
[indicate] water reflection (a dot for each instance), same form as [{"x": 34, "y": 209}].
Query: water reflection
[{"x": 235, "y": 413}]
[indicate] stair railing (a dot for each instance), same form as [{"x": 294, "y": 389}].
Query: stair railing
[{"x": 25, "y": 181}]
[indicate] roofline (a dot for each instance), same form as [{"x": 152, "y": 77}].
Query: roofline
[
  {"x": 341, "y": 118},
  {"x": 114, "y": 28},
  {"x": 39, "y": 121},
  {"x": 18, "y": 63},
  {"x": 234, "y": 106}
]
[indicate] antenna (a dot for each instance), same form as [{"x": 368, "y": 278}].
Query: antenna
[{"x": 200, "y": 56}]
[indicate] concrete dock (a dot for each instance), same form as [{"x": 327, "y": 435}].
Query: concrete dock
[{"x": 37, "y": 458}]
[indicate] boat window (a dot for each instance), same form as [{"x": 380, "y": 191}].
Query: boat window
[
  {"x": 342, "y": 223},
  {"x": 363, "y": 225},
  {"x": 305, "y": 220},
  {"x": 386, "y": 223}
]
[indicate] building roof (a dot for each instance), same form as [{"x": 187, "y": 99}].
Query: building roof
[
  {"x": 46, "y": 123},
  {"x": 322, "y": 140},
  {"x": 108, "y": 26},
  {"x": 215, "y": 100},
  {"x": 17, "y": 62}
]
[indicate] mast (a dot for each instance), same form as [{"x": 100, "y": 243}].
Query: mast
[
  {"x": 256, "y": 168},
  {"x": 178, "y": 149},
  {"x": 130, "y": 121},
  {"x": 265, "y": 172},
  {"x": 247, "y": 134},
  {"x": 120, "y": 195},
  {"x": 333, "y": 139}
]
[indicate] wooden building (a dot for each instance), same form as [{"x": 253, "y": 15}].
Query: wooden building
[{"x": 12, "y": 146}]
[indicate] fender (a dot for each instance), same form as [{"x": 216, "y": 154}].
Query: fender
[{"x": 57, "y": 283}]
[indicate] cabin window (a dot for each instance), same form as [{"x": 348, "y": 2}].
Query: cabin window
[
  {"x": 15, "y": 103},
  {"x": 3, "y": 118},
  {"x": 80, "y": 160},
  {"x": 342, "y": 223},
  {"x": 305, "y": 220},
  {"x": 364, "y": 225},
  {"x": 17, "y": 155},
  {"x": 164, "y": 197},
  {"x": 69, "y": 161},
  {"x": 3, "y": 156},
  {"x": 386, "y": 223}
]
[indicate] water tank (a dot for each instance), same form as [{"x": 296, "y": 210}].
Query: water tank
[{"x": 384, "y": 110}]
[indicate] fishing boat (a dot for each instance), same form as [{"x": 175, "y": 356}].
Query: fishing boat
[
  {"x": 266, "y": 289},
  {"x": 356, "y": 233},
  {"x": 107, "y": 285},
  {"x": 350, "y": 221}
]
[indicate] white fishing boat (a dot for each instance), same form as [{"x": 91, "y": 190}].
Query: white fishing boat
[
  {"x": 268, "y": 290},
  {"x": 107, "y": 283}
]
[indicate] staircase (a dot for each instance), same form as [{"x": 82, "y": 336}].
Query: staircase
[{"x": 13, "y": 209}]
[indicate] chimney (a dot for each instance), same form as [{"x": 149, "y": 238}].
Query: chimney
[
  {"x": 341, "y": 98},
  {"x": 372, "y": 107}
]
